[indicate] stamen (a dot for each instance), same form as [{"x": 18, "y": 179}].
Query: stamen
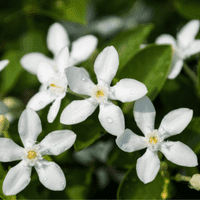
[
  {"x": 100, "y": 93},
  {"x": 31, "y": 155}
]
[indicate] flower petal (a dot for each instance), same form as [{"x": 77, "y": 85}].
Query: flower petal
[
  {"x": 29, "y": 127},
  {"x": 79, "y": 81},
  {"x": 62, "y": 59},
  {"x": 17, "y": 179},
  {"x": 50, "y": 175},
  {"x": 53, "y": 111},
  {"x": 192, "y": 49},
  {"x": 44, "y": 72},
  {"x": 106, "y": 64},
  {"x": 144, "y": 114},
  {"x": 3, "y": 63},
  {"x": 130, "y": 142},
  {"x": 166, "y": 39},
  {"x": 147, "y": 166},
  {"x": 82, "y": 49},
  {"x": 179, "y": 153},
  {"x": 188, "y": 33},
  {"x": 175, "y": 122},
  {"x": 40, "y": 100},
  {"x": 127, "y": 90},
  {"x": 57, "y": 142},
  {"x": 31, "y": 61},
  {"x": 57, "y": 38},
  {"x": 77, "y": 111},
  {"x": 176, "y": 68},
  {"x": 10, "y": 151},
  {"x": 111, "y": 118}
]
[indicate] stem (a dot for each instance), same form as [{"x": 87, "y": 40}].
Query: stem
[
  {"x": 180, "y": 177},
  {"x": 191, "y": 74}
]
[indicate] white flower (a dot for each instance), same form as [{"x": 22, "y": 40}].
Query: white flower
[
  {"x": 50, "y": 174},
  {"x": 184, "y": 47},
  {"x": 173, "y": 123},
  {"x": 110, "y": 115},
  {"x": 57, "y": 39},
  {"x": 3, "y": 64}
]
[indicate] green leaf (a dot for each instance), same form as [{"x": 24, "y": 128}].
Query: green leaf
[
  {"x": 78, "y": 183},
  {"x": 149, "y": 66},
  {"x": 189, "y": 9},
  {"x": 132, "y": 188},
  {"x": 11, "y": 72}
]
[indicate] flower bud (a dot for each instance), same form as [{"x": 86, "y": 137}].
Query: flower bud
[
  {"x": 195, "y": 182},
  {"x": 4, "y": 123}
]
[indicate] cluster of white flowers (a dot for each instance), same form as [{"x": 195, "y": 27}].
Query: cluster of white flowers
[{"x": 58, "y": 73}]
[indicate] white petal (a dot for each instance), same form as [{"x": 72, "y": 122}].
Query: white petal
[
  {"x": 31, "y": 61},
  {"x": 106, "y": 64},
  {"x": 10, "y": 151},
  {"x": 62, "y": 59},
  {"x": 51, "y": 175},
  {"x": 166, "y": 39},
  {"x": 53, "y": 111},
  {"x": 82, "y": 49},
  {"x": 176, "y": 68},
  {"x": 17, "y": 179},
  {"x": 192, "y": 49},
  {"x": 3, "y": 63},
  {"x": 57, "y": 142},
  {"x": 111, "y": 118},
  {"x": 127, "y": 90},
  {"x": 130, "y": 142},
  {"x": 179, "y": 153},
  {"x": 144, "y": 114},
  {"x": 77, "y": 111},
  {"x": 188, "y": 33},
  {"x": 79, "y": 80},
  {"x": 175, "y": 122},
  {"x": 29, "y": 127},
  {"x": 147, "y": 166},
  {"x": 44, "y": 72},
  {"x": 57, "y": 38},
  {"x": 40, "y": 100}
]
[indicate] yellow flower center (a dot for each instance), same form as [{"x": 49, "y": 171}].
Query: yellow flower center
[
  {"x": 153, "y": 140},
  {"x": 31, "y": 155},
  {"x": 100, "y": 93}
]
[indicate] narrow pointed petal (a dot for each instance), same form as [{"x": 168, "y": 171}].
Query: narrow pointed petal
[
  {"x": 3, "y": 64},
  {"x": 144, "y": 114},
  {"x": 166, "y": 39},
  {"x": 17, "y": 179},
  {"x": 62, "y": 59},
  {"x": 130, "y": 142},
  {"x": 29, "y": 127},
  {"x": 192, "y": 49},
  {"x": 53, "y": 111},
  {"x": 57, "y": 142},
  {"x": 127, "y": 90},
  {"x": 44, "y": 72},
  {"x": 147, "y": 166},
  {"x": 188, "y": 33},
  {"x": 175, "y": 122},
  {"x": 77, "y": 111},
  {"x": 51, "y": 175},
  {"x": 176, "y": 68},
  {"x": 106, "y": 65},
  {"x": 82, "y": 49},
  {"x": 79, "y": 81},
  {"x": 179, "y": 153},
  {"x": 10, "y": 151},
  {"x": 57, "y": 38},
  {"x": 40, "y": 100},
  {"x": 111, "y": 118},
  {"x": 31, "y": 61}
]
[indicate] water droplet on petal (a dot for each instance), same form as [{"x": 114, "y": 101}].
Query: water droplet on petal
[
  {"x": 63, "y": 184},
  {"x": 74, "y": 121},
  {"x": 58, "y": 151},
  {"x": 45, "y": 179},
  {"x": 40, "y": 102},
  {"x": 53, "y": 144},
  {"x": 132, "y": 91},
  {"x": 109, "y": 120},
  {"x": 115, "y": 122},
  {"x": 83, "y": 79}
]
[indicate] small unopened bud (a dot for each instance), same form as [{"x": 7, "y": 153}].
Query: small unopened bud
[
  {"x": 4, "y": 123},
  {"x": 195, "y": 182}
]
